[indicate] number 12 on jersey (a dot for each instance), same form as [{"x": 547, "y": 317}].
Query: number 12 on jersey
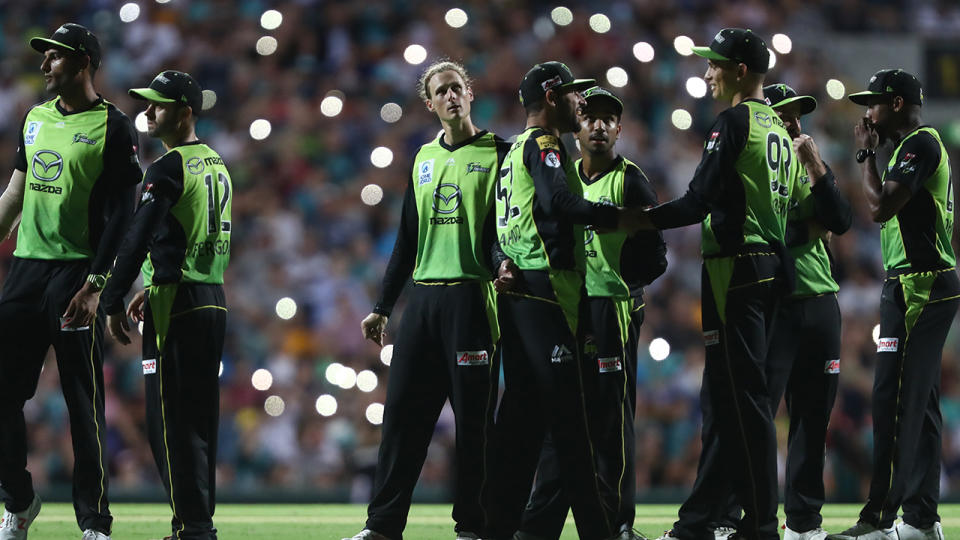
[{"x": 215, "y": 223}]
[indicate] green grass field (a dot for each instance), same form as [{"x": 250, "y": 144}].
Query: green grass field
[{"x": 334, "y": 521}]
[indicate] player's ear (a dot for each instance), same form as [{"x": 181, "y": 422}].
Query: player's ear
[
  {"x": 429, "y": 104},
  {"x": 897, "y": 103},
  {"x": 741, "y": 70},
  {"x": 469, "y": 94},
  {"x": 550, "y": 97}
]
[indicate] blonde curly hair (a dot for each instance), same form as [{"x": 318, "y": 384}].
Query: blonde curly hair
[{"x": 423, "y": 86}]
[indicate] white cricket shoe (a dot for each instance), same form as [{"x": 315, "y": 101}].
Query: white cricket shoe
[
  {"x": 905, "y": 531},
  {"x": 91, "y": 534},
  {"x": 812, "y": 534},
  {"x": 864, "y": 531},
  {"x": 668, "y": 535},
  {"x": 365, "y": 534},
  {"x": 14, "y": 526},
  {"x": 722, "y": 533}
]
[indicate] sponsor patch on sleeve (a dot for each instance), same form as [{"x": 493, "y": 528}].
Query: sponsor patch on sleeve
[
  {"x": 550, "y": 158},
  {"x": 473, "y": 358},
  {"x": 547, "y": 142},
  {"x": 711, "y": 337},
  {"x": 713, "y": 142},
  {"x": 888, "y": 344},
  {"x": 908, "y": 163},
  {"x": 832, "y": 367},
  {"x": 607, "y": 365},
  {"x": 149, "y": 366}
]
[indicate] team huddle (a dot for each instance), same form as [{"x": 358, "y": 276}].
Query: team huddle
[
  {"x": 522, "y": 256},
  {"x": 80, "y": 247}
]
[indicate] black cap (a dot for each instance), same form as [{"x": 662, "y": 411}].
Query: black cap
[
  {"x": 738, "y": 45},
  {"x": 598, "y": 94},
  {"x": 543, "y": 77},
  {"x": 72, "y": 37},
  {"x": 781, "y": 95},
  {"x": 891, "y": 82},
  {"x": 172, "y": 86}
]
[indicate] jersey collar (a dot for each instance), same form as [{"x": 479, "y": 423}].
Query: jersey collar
[
  {"x": 461, "y": 144},
  {"x": 65, "y": 112},
  {"x": 583, "y": 177}
]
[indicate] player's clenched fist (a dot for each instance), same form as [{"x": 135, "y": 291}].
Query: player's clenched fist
[{"x": 373, "y": 328}]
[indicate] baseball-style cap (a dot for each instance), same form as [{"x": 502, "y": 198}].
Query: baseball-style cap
[
  {"x": 781, "y": 95},
  {"x": 543, "y": 77},
  {"x": 72, "y": 37},
  {"x": 598, "y": 94},
  {"x": 738, "y": 45},
  {"x": 891, "y": 82},
  {"x": 172, "y": 86}
]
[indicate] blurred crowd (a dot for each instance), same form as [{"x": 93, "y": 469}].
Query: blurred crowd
[{"x": 301, "y": 230}]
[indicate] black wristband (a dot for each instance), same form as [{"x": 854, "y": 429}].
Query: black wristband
[{"x": 864, "y": 153}]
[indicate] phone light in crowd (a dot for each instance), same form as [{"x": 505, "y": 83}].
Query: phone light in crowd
[
  {"x": 129, "y": 12},
  {"x": 543, "y": 28},
  {"x": 683, "y": 45},
  {"x": 643, "y": 51},
  {"x": 561, "y": 16},
  {"x": 274, "y": 405},
  {"x": 326, "y": 405},
  {"x": 260, "y": 129},
  {"x": 600, "y": 23},
  {"x": 617, "y": 76},
  {"x": 371, "y": 194},
  {"x": 381, "y": 157},
  {"x": 876, "y": 334},
  {"x": 346, "y": 377},
  {"x": 332, "y": 104},
  {"x": 220, "y": 373},
  {"x": 366, "y": 381},
  {"x": 140, "y": 122},
  {"x": 782, "y": 43},
  {"x": 266, "y": 45},
  {"x": 286, "y": 308},
  {"x": 415, "y": 54},
  {"x": 271, "y": 19},
  {"x": 696, "y": 87},
  {"x": 391, "y": 112},
  {"x": 773, "y": 59},
  {"x": 332, "y": 372},
  {"x": 375, "y": 413},
  {"x": 681, "y": 119},
  {"x": 456, "y": 17},
  {"x": 836, "y": 89},
  {"x": 262, "y": 379},
  {"x": 386, "y": 354},
  {"x": 659, "y": 349},
  {"x": 209, "y": 99}
]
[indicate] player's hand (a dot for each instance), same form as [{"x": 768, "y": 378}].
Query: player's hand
[
  {"x": 865, "y": 134},
  {"x": 373, "y": 328},
  {"x": 508, "y": 276},
  {"x": 82, "y": 307},
  {"x": 634, "y": 219},
  {"x": 808, "y": 155},
  {"x": 118, "y": 326},
  {"x": 135, "y": 307}
]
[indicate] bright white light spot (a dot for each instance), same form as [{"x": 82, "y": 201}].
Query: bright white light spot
[
  {"x": 415, "y": 54},
  {"x": 643, "y": 51},
  {"x": 561, "y": 16},
  {"x": 262, "y": 379},
  {"x": 381, "y": 157},
  {"x": 366, "y": 381},
  {"x": 683, "y": 45},
  {"x": 271, "y": 19},
  {"x": 876, "y": 334},
  {"x": 331, "y": 106},
  {"x": 617, "y": 76},
  {"x": 209, "y": 99},
  {"x": 286, "y": 308},
  {"x": 332, "y": 372},
  {"x": 386, "y": 354},
  {"x": 375, "y": 413},
  {"x": 543, "y": 28},
  {"x": 220, "y": 374},
  {"x": 260, "y": 129},
  {"x": 659, "y": 349},
  {"x": 371, "y": 194},
  {"x": 141, "y": 122},
  {"x": 773, "y": 59},
  {"x": 600, "y": 23},
  {"x": 391, "y": 112},
  {"x": 836, "y": 89},
  {"x": 326, "y": 405},
  {"x": 681, "y": 119},
  {"x": 274, "y": 405},
  {"x": 782, "y": 43},
  {"x": 456, "y": 17},
  {"x": 696, "y": 87},
  {"x": 129, "y": 12},
  {"x": 346, "y": 378},
  {"x": 266, "y": 45},
  {"x": 162, "y": 1}
]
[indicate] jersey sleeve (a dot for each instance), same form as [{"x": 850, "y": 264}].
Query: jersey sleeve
[
  {"x": 644, "y": 255},
  {"x": 727, "y": 139},
  {"x": 20, "y": 162},
  {"x": 121, "y": 166},
  {"x": 404, "y": 255},
  {"x": 544, "y": 156},
  {"x": 917, "y": 158},
  {"x": 830, "y": 208}
]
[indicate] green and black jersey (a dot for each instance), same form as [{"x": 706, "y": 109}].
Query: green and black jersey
[
  {"x": 741, "y": 188},
  {"x": 183, "y": 222},
  {"x": 619, "y": 266},
  {"x": 917, "y": 239},
  {"x": 81, "y": 171},
  {"x": 446, "y": 232},
  {"x": 823, "y": 204}
]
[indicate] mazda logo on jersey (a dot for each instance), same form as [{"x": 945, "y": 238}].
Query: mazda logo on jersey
[
  {"x": 446, "y": 198},
  {"x": 195, "y": 165},
  {"x": 47, "y": 165}
]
